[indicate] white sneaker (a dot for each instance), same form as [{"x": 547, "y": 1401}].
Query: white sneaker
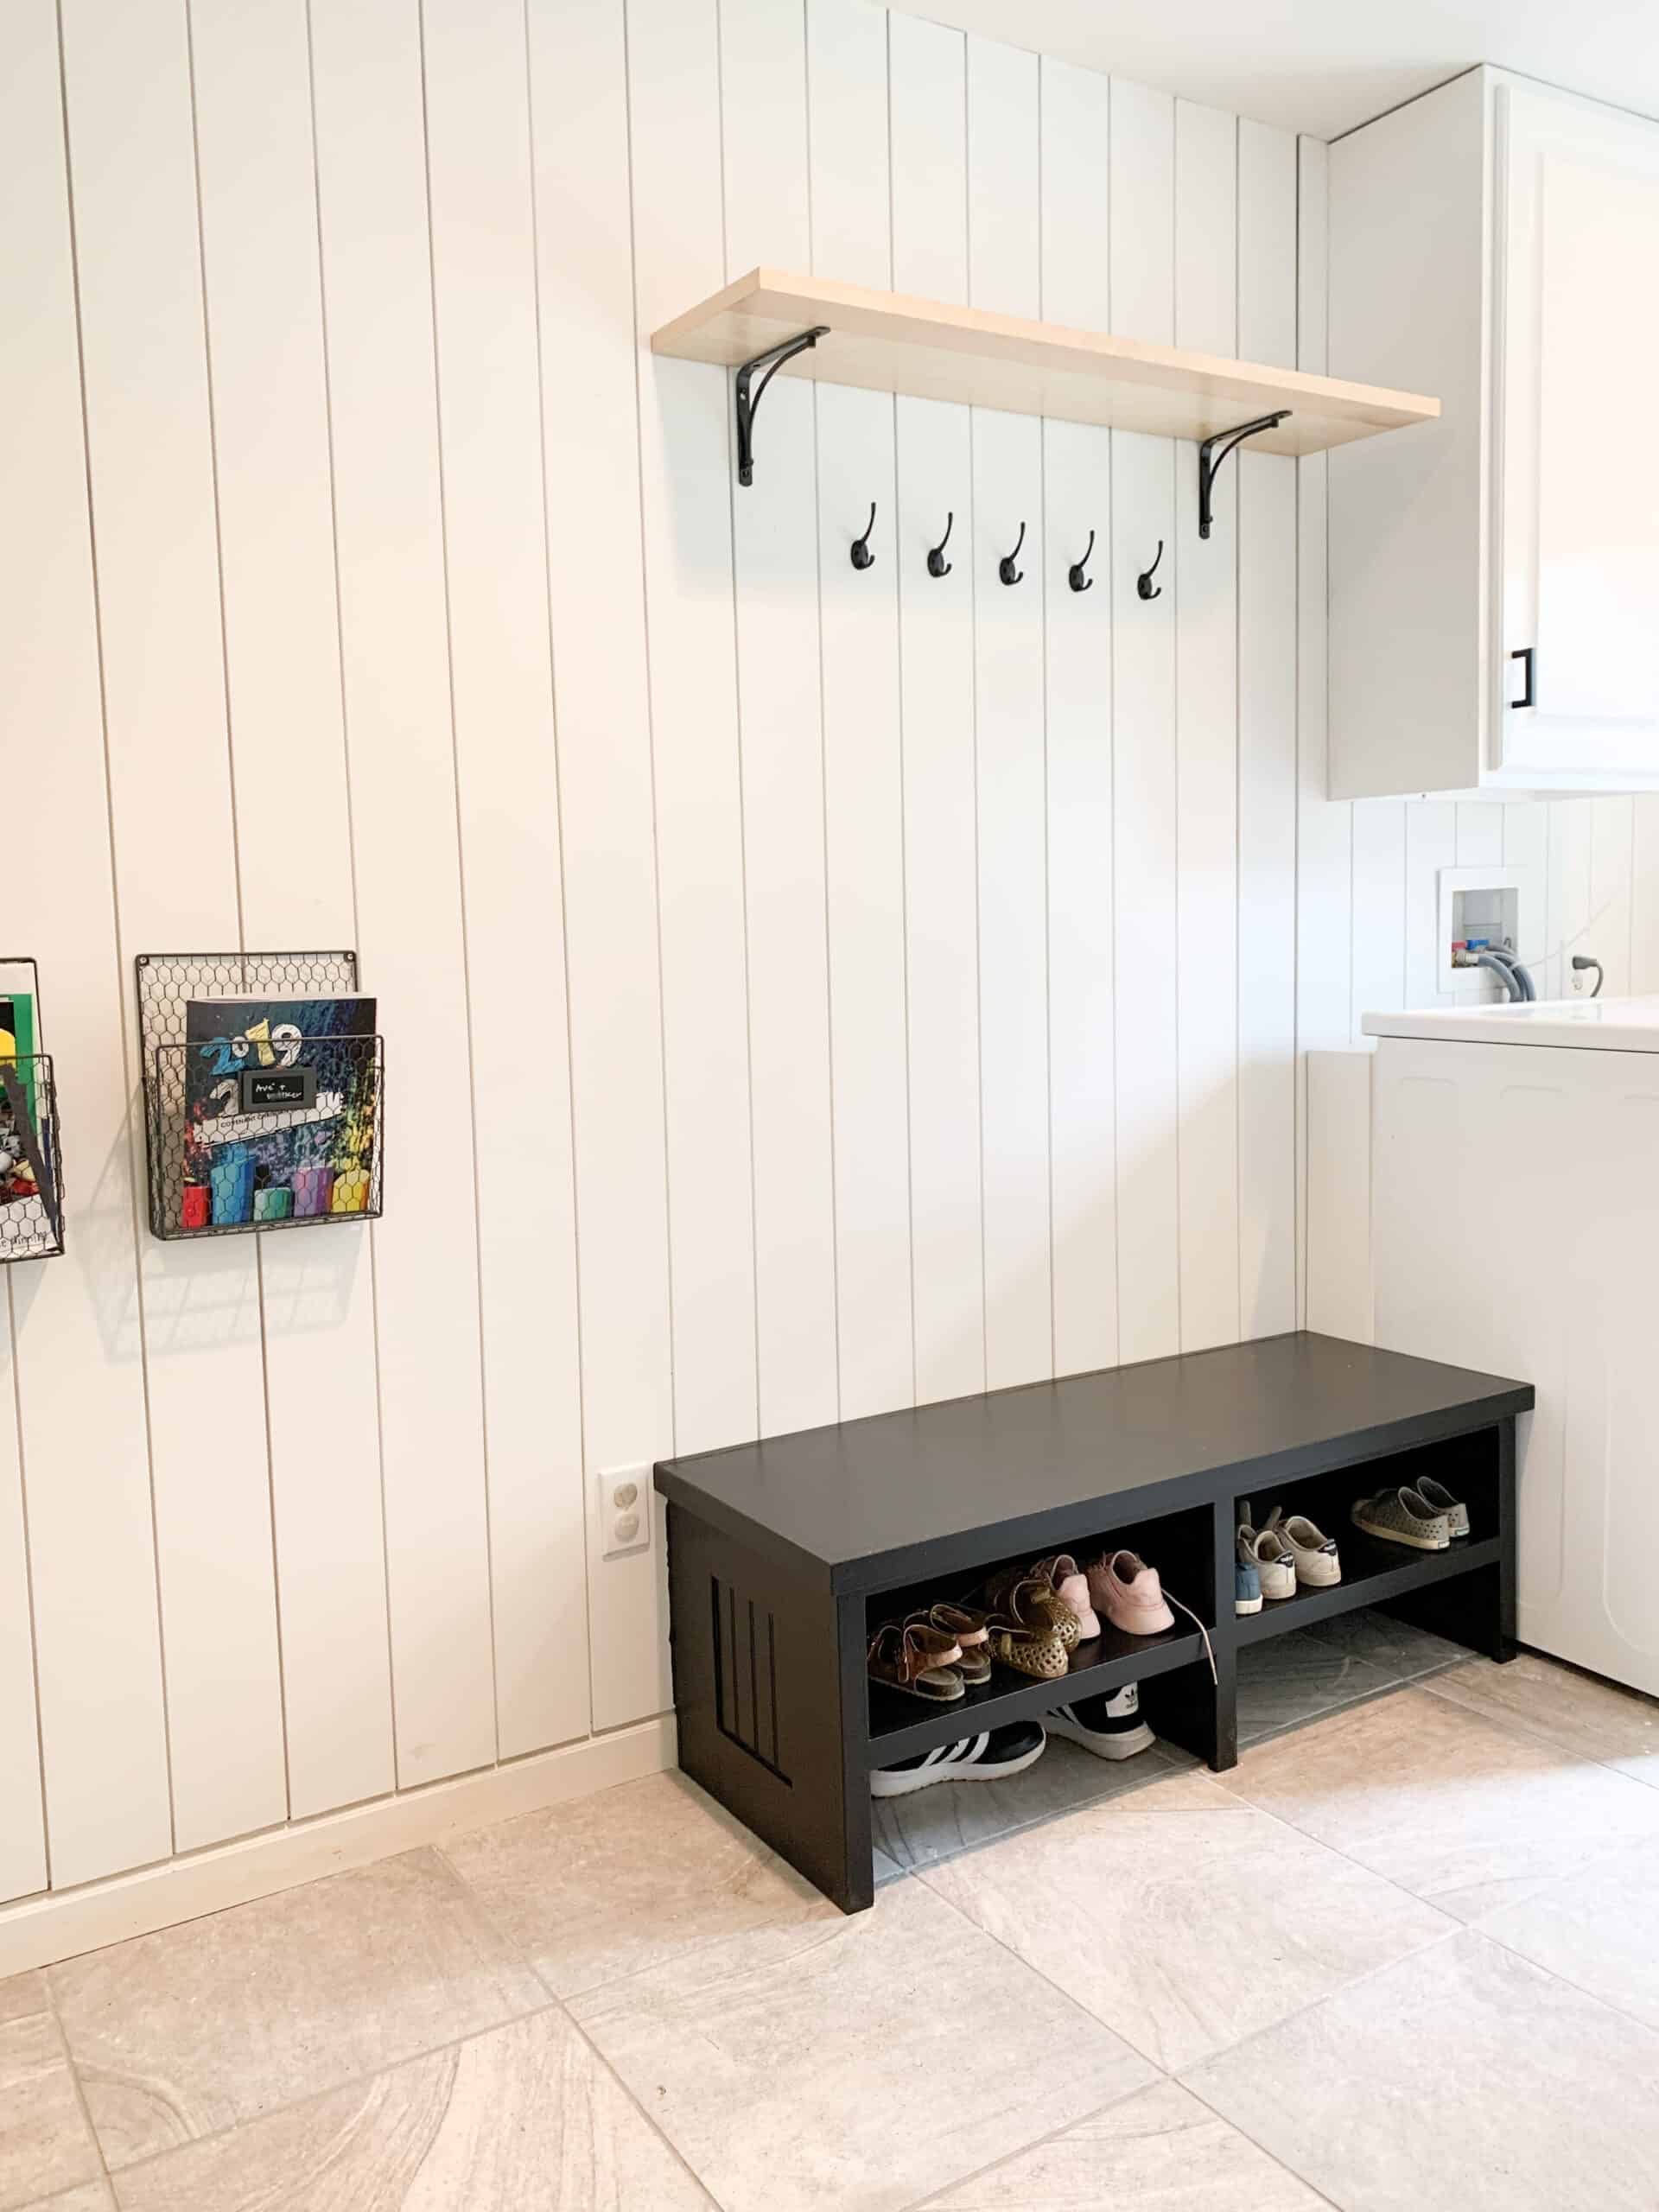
[
  {"x": 1271, "y": 1556},
  {"x": 1315, "y": 1553}
]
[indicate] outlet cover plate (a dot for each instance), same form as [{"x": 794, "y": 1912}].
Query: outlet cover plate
[{"x": 626, "y": 1506}]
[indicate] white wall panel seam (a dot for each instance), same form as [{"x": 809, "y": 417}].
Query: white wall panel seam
[
  {"x": 119, "y": 947},
  {"x": 461, "y": 871},
  {"x": 823, "y": 823},
  {"x": 558, "y": 785},
  {"x": 655, "y": 845},
  {"x": 1175, "y": 729},
  {"x": 236, "y": 869},
  {"x": 28, "y": 1585},
  {"x": 351, "y": 826},
  {"x": 123, "y": 950}
]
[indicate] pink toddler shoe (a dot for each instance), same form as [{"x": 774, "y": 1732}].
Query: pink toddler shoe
[{"x": 1129, "y": 1593}]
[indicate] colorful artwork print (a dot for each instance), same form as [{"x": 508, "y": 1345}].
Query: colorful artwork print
[
  {"x": 243, "y": 1157},
  {"x": 17, "y": 1180}
]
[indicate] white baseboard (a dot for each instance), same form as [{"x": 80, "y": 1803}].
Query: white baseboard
[{"x": 60, "y": 1924}]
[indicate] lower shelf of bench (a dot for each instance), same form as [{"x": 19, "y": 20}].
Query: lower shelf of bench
[{"x": 1372, "y": 1572}]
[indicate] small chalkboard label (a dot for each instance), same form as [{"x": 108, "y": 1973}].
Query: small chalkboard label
[{"x": 265, "y": 1090}]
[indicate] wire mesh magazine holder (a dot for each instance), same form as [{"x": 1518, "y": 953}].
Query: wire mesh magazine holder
[
  {"x": 263, "y": 1126},
  {"x": 31, "y": 1153}
]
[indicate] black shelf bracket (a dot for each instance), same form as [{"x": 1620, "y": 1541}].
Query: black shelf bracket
[
  {"x": 749, "y": 394},
  {"x": 1210, "y": 461}
]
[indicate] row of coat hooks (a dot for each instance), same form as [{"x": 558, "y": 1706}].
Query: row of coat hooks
[{"x": 1007, "y": 568}]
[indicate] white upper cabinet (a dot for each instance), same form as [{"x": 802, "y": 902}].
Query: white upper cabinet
[{"x": 1495, "y": 576}]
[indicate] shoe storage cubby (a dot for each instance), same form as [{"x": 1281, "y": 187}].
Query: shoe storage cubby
[
  {"x": 785, "y": 1554},
  {"x": 275, "y": 1130},
  {"x": 1180, "y": 1544},
  {"x": 31, "y": 1145},
  {"x": 1374, "y": 1570}
]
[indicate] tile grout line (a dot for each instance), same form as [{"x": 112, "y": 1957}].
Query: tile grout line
[
  {"x": 656, "y": 2130},
  {"x": 767, "y": 1856},
  {"x": 556, "y": 2003},
  {"x": 81, "y": 2099},
  {"x": 1454, "y": 1928},
  {"x": 1554, "y": 1974},
  {"x": 1514, "y": 1726},
  {"x": 1543, "y": 1882},
  {"x": 1442, "y": 1943},
  {"x": 363, "y": 2079},
  {"x": 350, "y": 2081},
  {"x": 1039, "y": 2143}
]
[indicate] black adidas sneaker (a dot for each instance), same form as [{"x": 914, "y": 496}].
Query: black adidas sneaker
[
  {"x": 990, "y": 1756},
  {"x": 1109, "y": 1725}
]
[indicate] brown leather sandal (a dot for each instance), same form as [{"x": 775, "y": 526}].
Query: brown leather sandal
[
  {"x": 911, "y": 1656},
  {"x": 971, "y": 1631}
]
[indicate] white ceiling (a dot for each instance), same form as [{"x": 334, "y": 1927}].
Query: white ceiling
[{"x": 1323, "y": 66}]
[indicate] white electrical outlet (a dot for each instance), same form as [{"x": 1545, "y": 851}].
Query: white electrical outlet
[{"x": 624, "y": 1510}]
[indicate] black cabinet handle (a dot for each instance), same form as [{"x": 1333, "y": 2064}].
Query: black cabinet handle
[{"x": 1526, "y": 698}]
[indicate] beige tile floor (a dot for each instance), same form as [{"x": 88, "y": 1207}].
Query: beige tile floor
[{"x": 1404, "y": 1957}]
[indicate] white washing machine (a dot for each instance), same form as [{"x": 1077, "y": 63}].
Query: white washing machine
[{"x": 1515, "y": 1202}]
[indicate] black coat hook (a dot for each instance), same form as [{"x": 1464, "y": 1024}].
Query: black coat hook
[
  {"x": 937, "y": 563},
  {"x": 1143, "y": 582},
  {"x": 1005, "y": 566},
  {"x": 1074, "y": 574},
  {"x": 861, "y": 555}
]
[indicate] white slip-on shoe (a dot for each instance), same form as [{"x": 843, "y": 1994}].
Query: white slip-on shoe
[
  {"x": 1317, "y": 1565},
  {"x": 1109, "y": 1725}
]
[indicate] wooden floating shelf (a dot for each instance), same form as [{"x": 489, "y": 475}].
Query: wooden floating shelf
[{"x": 883, "y": 341}]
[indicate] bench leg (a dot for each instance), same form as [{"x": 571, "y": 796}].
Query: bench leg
[
  {"x": 1190, "y": 1707},
  {"x": 1186, "y": 1708},
  {"x": 770, "y": 1698}
]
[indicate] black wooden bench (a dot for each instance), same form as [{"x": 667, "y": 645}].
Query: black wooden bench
[{"x": 785, "y": 1554}]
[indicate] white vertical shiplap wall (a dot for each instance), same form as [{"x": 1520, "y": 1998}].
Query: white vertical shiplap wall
[
  {"x": 1004, "y": 268},
  {"x": 849, "y": 987},
  {"x": 927, "y": 70},
  {"x": 864, "y": 762},
  {"x": 377, "y": 276},
  {"x": 1078, "y": 688},
  {"x": 1141, "y": 229},
  {"x": 256, "y": 158},
  {"x": 130, "y": 97},
  {"x": 1206, "y": 584},
  {"x": 81, "y": 1698},
  {"x": 1267, "y": 540}
]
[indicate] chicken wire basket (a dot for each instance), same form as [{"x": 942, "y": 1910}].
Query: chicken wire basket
[
  {"x": 31, "y": 1150},
  {"x": 31, "y": 1160},
  {"x": 269, "y": 1125}
]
